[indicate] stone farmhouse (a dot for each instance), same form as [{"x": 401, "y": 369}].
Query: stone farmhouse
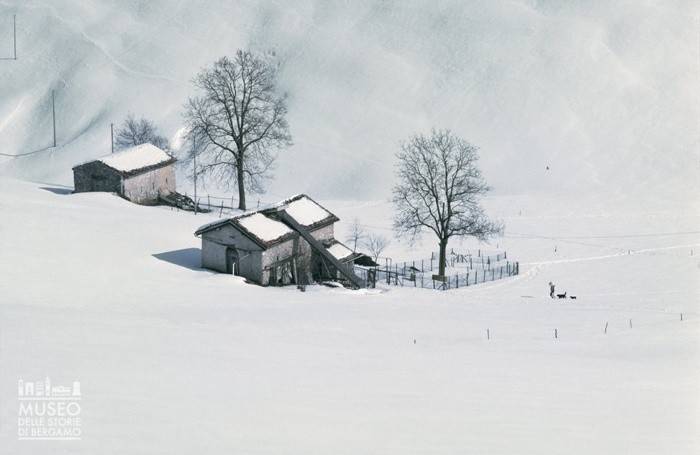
[
  {"x": 290, "y": 243},
  {"x": 141, "y": 174}
]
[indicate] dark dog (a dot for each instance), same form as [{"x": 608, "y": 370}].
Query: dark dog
[
  {"x": 572, "y": 296},
  {"x": 561, "y": 296}
]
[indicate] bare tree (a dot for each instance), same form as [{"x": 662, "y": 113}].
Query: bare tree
[
  {"x": 376, "y": 244},
  {"x": 242, "y": 115},
  {"x": 356, "y": 234},
  {"x": 439, "y": 188},
  {"x": 135, "y": 131}
]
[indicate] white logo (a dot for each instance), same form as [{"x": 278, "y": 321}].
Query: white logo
[{"x": 48, "y": 411}]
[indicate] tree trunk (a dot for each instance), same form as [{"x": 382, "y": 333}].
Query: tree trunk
[
  {"x": 241, "y": 184},
  {"x": 443, "y": 258}
]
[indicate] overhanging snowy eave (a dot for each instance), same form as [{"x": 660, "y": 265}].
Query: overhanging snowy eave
[
  {"x": 263, "y": 231},
  {"x": 306, "y": 211},
  {"x": 135, "y": 160}
]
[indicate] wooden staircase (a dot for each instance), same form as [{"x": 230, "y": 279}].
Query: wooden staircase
[{"x": 180, "y": 201}]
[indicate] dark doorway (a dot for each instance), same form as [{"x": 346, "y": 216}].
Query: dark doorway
[
  {"x": 232, "y": 263},
  {"x": 282, "y": 273}
]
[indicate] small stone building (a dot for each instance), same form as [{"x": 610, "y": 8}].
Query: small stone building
[
  {"x": 261, "y": 247},
  {"x": 140, "y": 174}
]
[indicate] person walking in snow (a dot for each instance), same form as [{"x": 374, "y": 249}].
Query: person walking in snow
[{"x": 551, "y": 289}]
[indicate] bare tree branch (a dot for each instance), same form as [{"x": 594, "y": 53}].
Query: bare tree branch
[
  {"x": 439, "y": 189},
  {"x": 376, "y": 244},
  {"x": 356, "y": 234},
  {"x": 135, "y": 131},
  {"x": 242, "y": 116}
]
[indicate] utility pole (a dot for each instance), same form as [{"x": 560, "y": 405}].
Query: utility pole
[
  {"x": 14, "y": 33},
  {"x": 53, "y": 112},
  {"x": 194, "y": 169},
  {"x": 111, "y": 133}
]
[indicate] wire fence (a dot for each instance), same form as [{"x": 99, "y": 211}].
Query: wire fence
[
  {"x": 462, "y": 270},
  {"x": 469, "y": 260}
]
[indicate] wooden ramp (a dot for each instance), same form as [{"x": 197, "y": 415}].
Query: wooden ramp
[
  {"x": 356, "y": 281},
  {"x": 180, "y": 201}
]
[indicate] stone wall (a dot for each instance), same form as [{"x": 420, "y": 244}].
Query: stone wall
[
  {"x": 95, "y": 176},
  {"x": 286, "y": 249},
  {"x": 146, "y": 187},
  {"x": 214, "y": 249},
  {"x": 254, "y": 263}
]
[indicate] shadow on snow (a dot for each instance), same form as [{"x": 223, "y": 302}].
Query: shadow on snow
[
  {"x": 190, "y": 258},
  {"x": 56, "y": 190}
]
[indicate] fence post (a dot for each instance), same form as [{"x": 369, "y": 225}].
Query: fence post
[{"x": 421, "y": 266}]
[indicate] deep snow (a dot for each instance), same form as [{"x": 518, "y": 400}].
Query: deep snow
[
  {"x": 174, "y": 359},
  {"x": 586, "y": 117},
  {"x": 604, "y": 93}
]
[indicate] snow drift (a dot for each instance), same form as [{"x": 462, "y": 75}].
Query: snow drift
[{"x": 603, "y": 94}]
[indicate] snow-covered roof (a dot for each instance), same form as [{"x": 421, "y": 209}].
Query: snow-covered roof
[
  {"x": 135, "y": 158},
  {"x": 265, "y": 228},
  {"x": 304, "y": 210},
  {"x": 138, "y": 157},
  {"x": 340, "y": 251},
  {"x": 211, "y": 225},
  {"x": 262, "y": 227}
]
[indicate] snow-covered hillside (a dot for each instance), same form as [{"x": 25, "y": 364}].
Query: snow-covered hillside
[
  {"x": 586, "y": 115},
  {"x": 174, "y": 359},
  {"x": 606, "y": 94}
]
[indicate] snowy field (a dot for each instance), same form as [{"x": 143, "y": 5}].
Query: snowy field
[
  {"x": 585, "y": 114},
  {"x": 176, "y": 360}
]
